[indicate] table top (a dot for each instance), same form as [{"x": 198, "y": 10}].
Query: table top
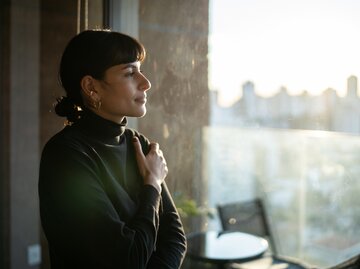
[{"x": 223, "y": 247}]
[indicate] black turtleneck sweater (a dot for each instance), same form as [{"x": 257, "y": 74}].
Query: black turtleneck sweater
[{"x": 95, "y": 210}]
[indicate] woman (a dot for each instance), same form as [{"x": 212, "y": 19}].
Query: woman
[{"x": 103, "y": 199}]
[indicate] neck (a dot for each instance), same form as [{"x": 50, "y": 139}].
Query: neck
[
  {"x": 99, "y": 112},
  {"x": 105, "y": 130}
]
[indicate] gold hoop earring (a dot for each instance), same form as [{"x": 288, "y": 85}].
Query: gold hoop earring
[{"x": 97, "y": 104}]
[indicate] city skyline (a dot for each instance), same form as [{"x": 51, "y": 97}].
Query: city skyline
[
  {"x": 349, "y": 87},
  {"x": 307, "y": 45},
  {"x": 326, "y": 112}
]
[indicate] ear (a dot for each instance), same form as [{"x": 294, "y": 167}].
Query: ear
[{"x": 88, "y": 88}]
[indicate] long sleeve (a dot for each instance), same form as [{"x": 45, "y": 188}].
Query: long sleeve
[
  {"x": 80, "y": 221},
  {"x": 171, "y": 241}
]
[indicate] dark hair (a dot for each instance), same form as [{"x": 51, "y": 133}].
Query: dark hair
[{"x": 92, "y": 52}]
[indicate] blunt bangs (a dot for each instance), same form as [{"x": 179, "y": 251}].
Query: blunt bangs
[{"x": 121, "y": 49}]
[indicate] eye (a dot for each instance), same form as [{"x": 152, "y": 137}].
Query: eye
[{"x": 129, "y": 74}]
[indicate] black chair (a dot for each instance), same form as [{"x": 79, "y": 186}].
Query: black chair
[
  {"x": 250, "y": 217},
  {"x": 351, "y": 263}
]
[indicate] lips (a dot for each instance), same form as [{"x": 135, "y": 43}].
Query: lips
[{"x": 141, "y": 100}]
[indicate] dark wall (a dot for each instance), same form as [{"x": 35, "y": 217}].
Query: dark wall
[
  {"x": 4, "y": 134},
  {"x": 19, "y": 82},
  {"x": 58, "y": 25},
  {"x": 33, "y": 35}
]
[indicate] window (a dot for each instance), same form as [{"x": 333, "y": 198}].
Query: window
[{"x": 285, "y": 119}]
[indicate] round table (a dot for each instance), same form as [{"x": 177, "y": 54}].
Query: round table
[{"x": 225, "y": 247}]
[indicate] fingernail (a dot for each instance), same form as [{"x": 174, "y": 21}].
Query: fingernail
[{"x": 135, "y": 139}]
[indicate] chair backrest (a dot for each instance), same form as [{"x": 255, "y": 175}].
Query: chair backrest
[
  {"x": 248, "y": 217},
  {"x": 351, "y": 263}
]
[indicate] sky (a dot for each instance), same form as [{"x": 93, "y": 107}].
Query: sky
[{"x": 303, "y": 45}]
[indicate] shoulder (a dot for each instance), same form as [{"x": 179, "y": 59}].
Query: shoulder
[
  {"x": 69, "y": 139},
  {"x": 68, "y": 151},
  {"x": 130, "y": 133}
]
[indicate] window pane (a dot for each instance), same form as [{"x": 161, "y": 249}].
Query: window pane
[{"x": 285, "y": 119}]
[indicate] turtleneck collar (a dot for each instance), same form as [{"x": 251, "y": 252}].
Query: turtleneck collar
[{"x": 106, "y": 131}]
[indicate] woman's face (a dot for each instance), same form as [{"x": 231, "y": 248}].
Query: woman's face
[{"x": 122, "y": 92}]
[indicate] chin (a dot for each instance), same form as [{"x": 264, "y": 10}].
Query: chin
[{"x": 140, "y": 114}]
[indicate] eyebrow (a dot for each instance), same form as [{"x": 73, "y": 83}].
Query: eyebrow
[{"x": 130, "y": 66}]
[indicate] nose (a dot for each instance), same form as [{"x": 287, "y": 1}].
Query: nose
[{"x": 145, "y": 83}]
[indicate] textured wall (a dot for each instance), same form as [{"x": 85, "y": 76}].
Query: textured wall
[
  {"x": 55, "y": 19},
  {"x": 24, "y": 130},
  {"x": 175, "y": 34}
]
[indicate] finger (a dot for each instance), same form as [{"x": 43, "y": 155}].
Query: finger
[
  {"x": 138, "y": 150},
  {"x": 154, "y": 146}
]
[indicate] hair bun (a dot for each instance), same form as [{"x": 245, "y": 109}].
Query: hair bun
[{"x": 65, "y": 107}]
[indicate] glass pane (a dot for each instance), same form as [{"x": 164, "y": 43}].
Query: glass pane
[{"x": 285, "y": 119}]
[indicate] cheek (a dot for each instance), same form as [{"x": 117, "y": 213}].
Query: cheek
[
  {"x": 120, "y": 97},
  {"x": 121, "y": 94}
]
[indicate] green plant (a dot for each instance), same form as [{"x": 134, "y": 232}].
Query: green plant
[{"x": 188, "y": 207}]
